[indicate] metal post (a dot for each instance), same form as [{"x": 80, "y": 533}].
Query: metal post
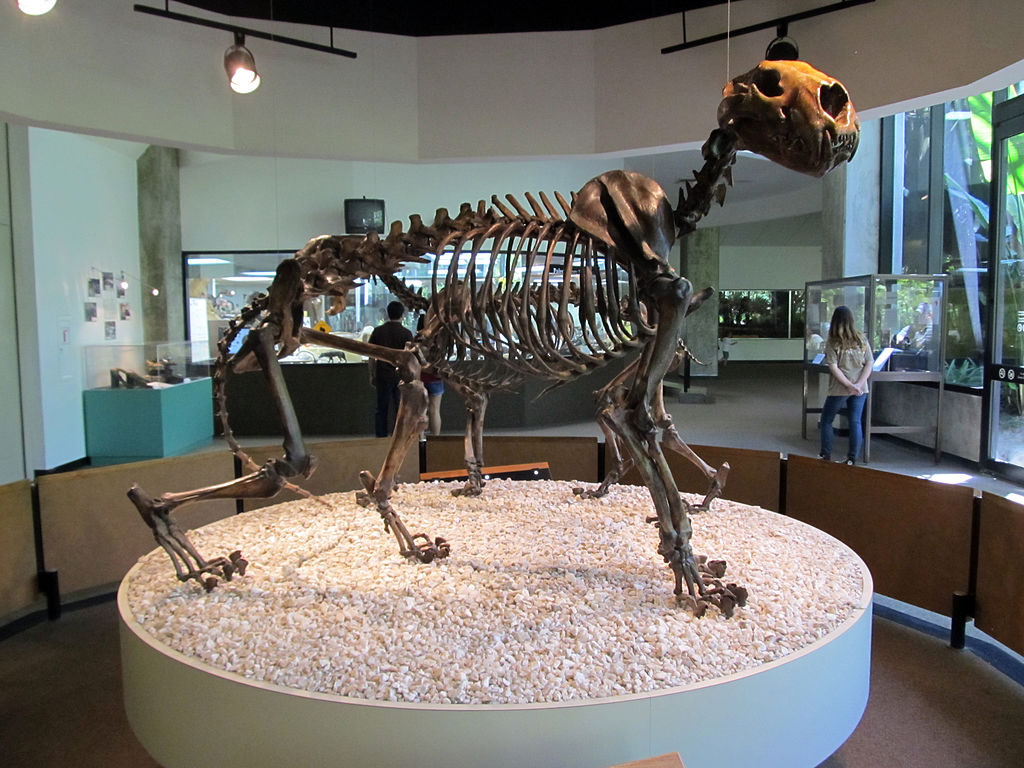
[
  {"x": 963, "y": 606},
  {"x": 49, "y": 585}
]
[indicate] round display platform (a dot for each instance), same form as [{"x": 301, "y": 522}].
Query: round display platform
[{"x": 549, "y": 637}]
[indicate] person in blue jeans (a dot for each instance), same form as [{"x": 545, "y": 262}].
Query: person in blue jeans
[{"x": 848, "y": 357}]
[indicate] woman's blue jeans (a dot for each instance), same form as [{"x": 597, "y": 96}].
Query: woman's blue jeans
[{"x": 834, "y": 404}]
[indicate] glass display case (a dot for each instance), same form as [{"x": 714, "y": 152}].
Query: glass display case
[
  {"x": 219, "y": 284},
  {"x": 133, "y": 366},
  {"x": 902, "y": 317},
  {"x": 820, "y": 300}
]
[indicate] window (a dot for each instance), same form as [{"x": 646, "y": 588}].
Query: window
[
  {"x": 942, "y": 170},
  {"x": 761, "y": 314},
  {"x": 967, "y": 173},
  {"x": 915, "y": 193}
]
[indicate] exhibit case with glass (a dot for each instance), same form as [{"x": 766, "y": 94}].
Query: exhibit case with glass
[
  {"x": 132, "y": 366},
  {"x": 334, "y": 399},
  {"x": 219, "y": 284},
  {"x": 903, "y": 319},
  {"x": 144, "y": 401}
]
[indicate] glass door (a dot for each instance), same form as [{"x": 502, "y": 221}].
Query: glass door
[{"x": 1004, "y": 374}]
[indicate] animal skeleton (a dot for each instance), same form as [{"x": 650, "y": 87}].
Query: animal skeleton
[{"x": 602, "y": 257}]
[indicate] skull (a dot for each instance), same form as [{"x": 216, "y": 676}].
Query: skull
[{"x": 793, "y": 114}]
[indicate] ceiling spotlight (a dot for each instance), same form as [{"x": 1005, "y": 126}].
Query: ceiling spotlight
[
  {"x": 241, "y": 67},
  {"x": 782, "y": 48},
  {"x": 36, "y": 7}
]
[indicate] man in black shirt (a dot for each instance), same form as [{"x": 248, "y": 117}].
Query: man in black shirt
[{"x": 383, "y": 375}]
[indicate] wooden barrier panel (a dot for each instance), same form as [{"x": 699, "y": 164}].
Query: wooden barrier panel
[
  {"x": 914, "y": 535},
  {"x": 92, "y": 534},
  {"x": 570, "y": 458},
  {"x": 999, "y": 596},
  {"x": 339, "y": 463},
  {"x": 755, "y": 477},
  {"x": 18, "y": 588}
]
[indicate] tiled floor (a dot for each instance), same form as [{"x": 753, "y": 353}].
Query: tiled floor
[{"x": 758, "y": 406}]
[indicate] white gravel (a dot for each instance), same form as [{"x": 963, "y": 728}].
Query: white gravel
[{"x": 545, "y": 597}]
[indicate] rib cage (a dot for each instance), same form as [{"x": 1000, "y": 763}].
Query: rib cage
[{"x": 563, "y": 307}]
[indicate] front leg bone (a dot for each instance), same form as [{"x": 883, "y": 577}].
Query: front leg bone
[
  {"x": 409, "y": 422},
  {"x": 188, "y": 562}
]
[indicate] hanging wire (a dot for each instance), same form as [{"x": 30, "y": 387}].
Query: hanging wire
[
  {"x": 728, "y": 40},
  {"x": 277, "y": 152}
]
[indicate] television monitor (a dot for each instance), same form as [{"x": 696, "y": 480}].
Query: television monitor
[{"x": 362, "y": 215}]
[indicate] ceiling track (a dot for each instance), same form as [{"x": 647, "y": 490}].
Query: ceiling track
[
  {"x": 163, "y": 13},
  {"x": 773, "y": 23}
]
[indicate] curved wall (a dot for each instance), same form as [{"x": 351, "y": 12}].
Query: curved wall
[{"x": 109, "y": 70}]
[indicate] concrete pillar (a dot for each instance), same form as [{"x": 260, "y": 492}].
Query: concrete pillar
[
  {"x": 163, "y": 316},
  {"x": 699, "y": 264},
  {"x": 12, "y": 447},
  {"x": 850, "y": 210}
]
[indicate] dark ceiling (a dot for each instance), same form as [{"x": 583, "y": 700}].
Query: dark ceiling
[{"x": 419, "y": 18}]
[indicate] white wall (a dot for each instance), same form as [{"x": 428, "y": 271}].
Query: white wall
[
  {"x": 506, "y": 95},
  {"x": 769, "y": 267},
  {"x": 82, "y": 220},
  {"x": 110, "y": 70},
  {"x": 107, "y": 69},
  {"x": 238, "y": 203},
  {"x": 780, "y": 254}
]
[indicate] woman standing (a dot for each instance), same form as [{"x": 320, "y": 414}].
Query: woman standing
[{"x": 849, "y": 360}]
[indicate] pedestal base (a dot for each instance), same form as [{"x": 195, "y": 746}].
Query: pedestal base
[{"x": 792, "y": 712}]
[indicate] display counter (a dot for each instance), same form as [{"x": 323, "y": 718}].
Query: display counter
[
  {"x": 337, "y": 399},
  {"x": 590, "y": 657},
  {"x": 136, "y": 424}
]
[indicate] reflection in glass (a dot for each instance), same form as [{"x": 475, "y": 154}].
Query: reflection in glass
[
  {"x": 1008, "y": 437},
  {"x": 901, "y": 317},
  {"x": 908, "y": 323},
  {"x": 218, "y": 285},
  {"x": 914, "y": 192},
  {"x": 967, "y": 165},
  {"x": 761, "y": 314},
  {"x": 821, "y": 300},
  {"x": 1007, "y": 441}
]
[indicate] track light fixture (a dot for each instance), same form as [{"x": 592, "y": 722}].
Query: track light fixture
[
  {"x": 36, "y": 7},
  {"x": 241, "y": 66},
  {"x": 783, "y": 53},
  {"x": 782, "y": 48}
]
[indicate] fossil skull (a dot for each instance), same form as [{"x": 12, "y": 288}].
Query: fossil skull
[{"x": 793, "y": 114}]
